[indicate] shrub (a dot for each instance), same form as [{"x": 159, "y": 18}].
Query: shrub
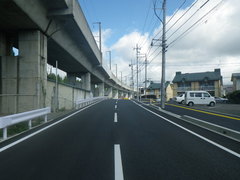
[{"x": 234, "y": 97}]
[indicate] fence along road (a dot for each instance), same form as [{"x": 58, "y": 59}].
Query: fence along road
[{"x": 150, "y": 147}]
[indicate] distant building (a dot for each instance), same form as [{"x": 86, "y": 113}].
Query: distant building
[
  {"x": 154, "y": 89},
  {"x": 236, "y": 81},
  {"x": 205, "y": 81},
  {"x": 227, "y": 89}
]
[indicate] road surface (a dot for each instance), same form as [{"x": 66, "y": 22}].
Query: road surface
[{"x": 119, "y": 139}]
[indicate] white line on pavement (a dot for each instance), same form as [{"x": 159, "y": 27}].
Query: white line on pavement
[
  {"x": 43, "y": 129},
  {"x": 201, "y": 137},
  {"x": 115, "y": 117},
  {"x": 115, "y": 106},
  {"x": 118, "y": 163}
]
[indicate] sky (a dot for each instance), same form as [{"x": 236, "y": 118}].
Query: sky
[{"x": 202, "y": 35}]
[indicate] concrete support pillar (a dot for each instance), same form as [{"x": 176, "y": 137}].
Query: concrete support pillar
[
  {"x": 120, "y": 94},
  {"x": 2, "y": 44},
  {"x": 86, "y": 81},
  {"x": 86, "y": 85},
  {"x": 101, "y": 89},
  {"x": 71, "y": 78},
  {"x": 32, "y": 70},
  {"x": 130, "y": 95},
  {"x": 109, "y": 92},
  {"x": 23, "y": 78},
  {"x": 94, "y": 90},
  {"x": 115, "y": 94},
  {"x": 9, "y": 85}
]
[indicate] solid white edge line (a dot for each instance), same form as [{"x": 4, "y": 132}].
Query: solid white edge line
[
  {"x": 201, "y": 137},
  {"x": 115, "y": 117},
  {"x": 41, "y": 130},
  {"x": 118, "y": 163}
]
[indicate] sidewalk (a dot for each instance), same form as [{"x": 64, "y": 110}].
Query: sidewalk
[
  {"x": 55, "y": 115},
  {"x": 231, "y": 109},
  {"x": 225, "y": 108}
]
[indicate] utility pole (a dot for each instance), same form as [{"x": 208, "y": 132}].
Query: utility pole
[
  {"x": 164, "y": 46},
  {"x": 132, "y": 80},
  {"x": 137, "y": 53},
  {"x": 145, "y": 76},
  {"x": 56, "y": 89},
  {"x": 163, "y": 90}
]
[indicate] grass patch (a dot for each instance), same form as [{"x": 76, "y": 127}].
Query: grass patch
[{"x": 21, "y": 127}]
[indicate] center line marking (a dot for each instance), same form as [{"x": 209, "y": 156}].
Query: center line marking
[
  {"x": 115, "y": 117},
  {"x": 118, "y": 163},
  {"x": 115, "y": 106}
]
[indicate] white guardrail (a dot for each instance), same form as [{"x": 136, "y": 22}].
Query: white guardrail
[
  {"x": 6, "y": 121},
  {"x": 85, "y": 102}
]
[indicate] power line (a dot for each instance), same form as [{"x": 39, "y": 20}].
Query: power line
[
  {"x": 182, "y": 16},
  {"x": 145, "y": 21},
  {"x": 197, "y": 22},
  {"x": 176, "y": 11},
  {"x": 189, "y": 18}
]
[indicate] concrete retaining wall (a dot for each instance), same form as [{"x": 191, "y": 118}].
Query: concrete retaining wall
[{"x": 67, "y": 95}]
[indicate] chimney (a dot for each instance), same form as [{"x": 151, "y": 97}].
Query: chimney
[
  {"x": 217, "y": 71},
  {"x": 178, "y": 73}
]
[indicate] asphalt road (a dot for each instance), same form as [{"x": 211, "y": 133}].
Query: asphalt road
[
  {"x": 113, "y": 140},
  {"x": 225, "y": 120}
]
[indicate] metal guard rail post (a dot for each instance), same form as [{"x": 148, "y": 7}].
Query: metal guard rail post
[
  {"x": 6, "y": 121},
  {"x": 85, "y": 102}
]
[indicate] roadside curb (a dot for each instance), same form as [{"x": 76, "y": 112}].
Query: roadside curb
[
  {"x": 232, "y": 134},
  {"x": 235, "y": 135}
]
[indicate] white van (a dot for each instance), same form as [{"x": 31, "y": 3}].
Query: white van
[
  {"x": 199, "y": 97},
  {"x": 179, "y": 99}
]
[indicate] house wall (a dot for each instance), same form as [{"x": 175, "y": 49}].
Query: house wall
[
  {"x": 236, "y": 84},
  {"x": 217, "y": 89},
  {"x": 195, "y": 86},
  {"x": 175, "y": 87},
  {"x": 169, "y": 92}
]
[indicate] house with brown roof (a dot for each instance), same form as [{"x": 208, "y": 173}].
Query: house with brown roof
[
  {"x": 155, "y": 89},
  {"x": 205, "y": 81}
]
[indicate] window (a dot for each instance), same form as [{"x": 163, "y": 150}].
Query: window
[
  {"x": 198, "y": 94},
  {"x": 206, "y": 95},
  {"x": 191, "y": 94}
]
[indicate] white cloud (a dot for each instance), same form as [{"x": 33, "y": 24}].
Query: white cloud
[{"x": 214, "y": 43}]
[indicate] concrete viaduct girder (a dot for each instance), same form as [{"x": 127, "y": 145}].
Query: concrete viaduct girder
[{"x": 61, "y": 33}]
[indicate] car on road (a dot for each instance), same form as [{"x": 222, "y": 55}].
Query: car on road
[
  {"x": 221, "y": 100},
  {"x": 180, "y": 99},
  {"x": 199, "y": 97}
]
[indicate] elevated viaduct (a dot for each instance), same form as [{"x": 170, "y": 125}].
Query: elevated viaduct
[{"x": 44, "y": 32}]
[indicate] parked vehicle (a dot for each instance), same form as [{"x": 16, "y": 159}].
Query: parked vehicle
[
  {"x": 179, "y": 99},
  {"x": 221, "y": 100},
  {"x": 199, "y": 97}
]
